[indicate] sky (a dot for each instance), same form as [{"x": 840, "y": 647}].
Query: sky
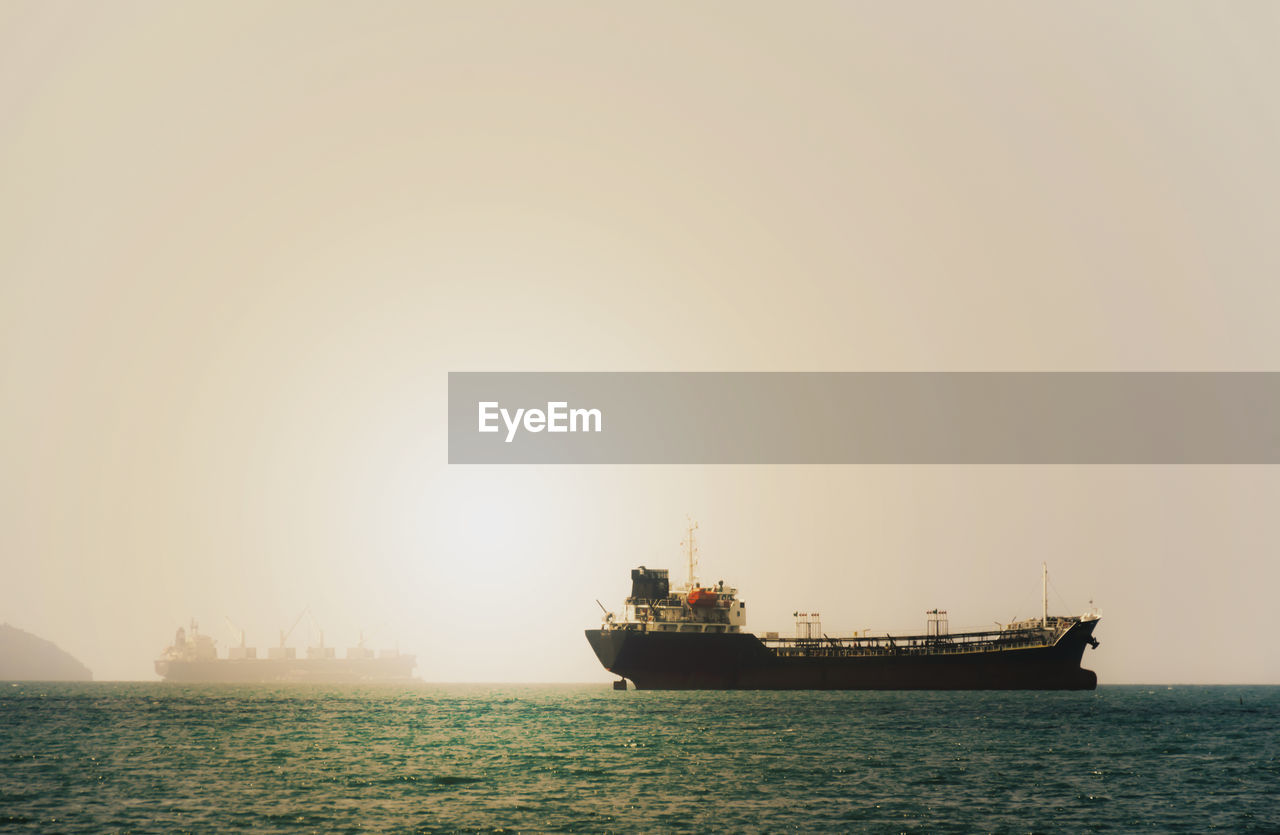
[{"x": 242, "y": 245}]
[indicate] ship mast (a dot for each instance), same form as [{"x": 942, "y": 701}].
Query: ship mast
[
  {"x": 692, "y": 548},
  {"x": 1044, "y": 581}
]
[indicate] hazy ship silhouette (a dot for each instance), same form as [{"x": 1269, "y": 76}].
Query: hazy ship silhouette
[{"x": 193, "y": 657}]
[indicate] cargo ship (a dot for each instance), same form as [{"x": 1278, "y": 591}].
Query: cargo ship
[
  {"x": 193, "y": 657},
  {"x": 695, "y": 638}
]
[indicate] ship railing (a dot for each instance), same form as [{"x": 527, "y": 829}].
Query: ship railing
[
  {"x": 670, "y": 626},
  {"x": 968, "y": 642},
  {"x": 670, "y": 610},
  {"x": 669, "y": 602}
]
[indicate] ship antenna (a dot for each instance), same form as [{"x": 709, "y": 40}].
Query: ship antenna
[
  {"x": 692, "y": 547},
  {"x": 1044, "y": 623}
]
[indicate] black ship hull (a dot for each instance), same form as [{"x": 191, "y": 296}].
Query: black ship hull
[{"x": 741, "y": 661}]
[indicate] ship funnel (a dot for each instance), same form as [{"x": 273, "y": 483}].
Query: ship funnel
[{"x": 649, "y": 584}]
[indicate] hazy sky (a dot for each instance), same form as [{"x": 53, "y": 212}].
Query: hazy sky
[{"x": 242, "y": 244}]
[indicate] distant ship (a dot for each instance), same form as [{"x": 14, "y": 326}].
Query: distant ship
[
  {"x": 693, "y": 638},
  {"x": 193, "y": 657}
]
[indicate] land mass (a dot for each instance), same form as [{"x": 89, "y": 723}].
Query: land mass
[{"x": 27, "y": 657}]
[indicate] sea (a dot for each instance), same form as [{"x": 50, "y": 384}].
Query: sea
[{"x": 140, "y": 757}]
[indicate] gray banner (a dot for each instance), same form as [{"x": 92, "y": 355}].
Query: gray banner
[{"x": 864, "y": 418}]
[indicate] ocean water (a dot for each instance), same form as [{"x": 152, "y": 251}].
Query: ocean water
[{"x": 439, "y": 758}]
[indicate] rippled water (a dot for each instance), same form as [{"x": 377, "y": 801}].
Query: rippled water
[{"x": 154, "y": 757}]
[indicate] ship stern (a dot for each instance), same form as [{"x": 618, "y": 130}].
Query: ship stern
[{"x": 606, "y": 644}]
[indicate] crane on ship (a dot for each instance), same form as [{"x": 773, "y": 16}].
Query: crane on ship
[
  {"x": 284, "y": 636},
  {"x": 235, "y": 629}
]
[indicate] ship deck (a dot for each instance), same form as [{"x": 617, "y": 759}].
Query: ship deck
[
  {"x": 932, "y": 645},
  {"x": 838, "y": 646}
]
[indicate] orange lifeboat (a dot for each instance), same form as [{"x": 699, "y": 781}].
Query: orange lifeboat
[{"x": 703, "y": 597}]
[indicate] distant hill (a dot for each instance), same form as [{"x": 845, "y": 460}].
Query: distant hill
[{"x": 26, "y": 657}]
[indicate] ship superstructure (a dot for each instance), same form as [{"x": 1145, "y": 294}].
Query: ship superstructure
[
  {"x": 694, "y": 638},
  {"x": 654, "y": 606}
]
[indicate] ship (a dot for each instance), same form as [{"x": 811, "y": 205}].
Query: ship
[
  {"x": 193, "y": 657},
  {"x": 695, "y": 638}
]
